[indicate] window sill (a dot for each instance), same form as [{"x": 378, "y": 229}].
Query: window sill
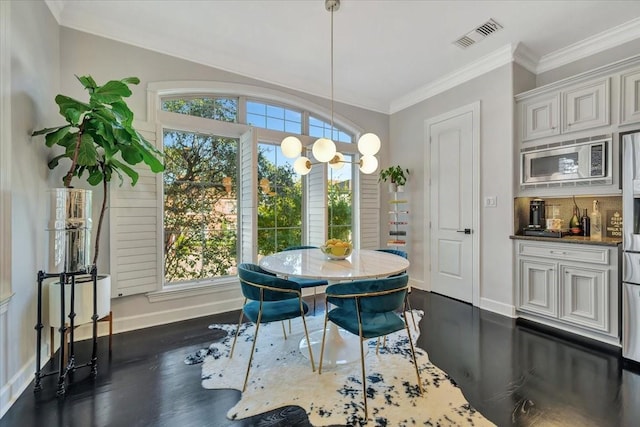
[{"x": 188, "y": 291}]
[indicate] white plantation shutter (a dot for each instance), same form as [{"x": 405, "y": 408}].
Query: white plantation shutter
[
  {"x": 317, "y": 207},
  {"x": 369, "y": 218},
  {"x": 248, "y": 197},
  {"x": 135, "y": 229}
]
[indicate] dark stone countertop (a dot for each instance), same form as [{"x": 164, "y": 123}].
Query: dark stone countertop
[{"x": 606, "y": 241}]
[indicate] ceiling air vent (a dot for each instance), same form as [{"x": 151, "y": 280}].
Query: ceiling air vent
[{"x": 479, "y": 33}]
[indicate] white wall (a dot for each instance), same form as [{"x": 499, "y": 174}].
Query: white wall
[
  {"x": 34, "y": 83},
  {"x": 495, "y": 93}
]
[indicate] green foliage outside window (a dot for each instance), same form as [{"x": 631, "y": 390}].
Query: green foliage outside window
[
  {"x": 222, "y": 109},
  {"x": 340, "y": 210},
  {"x": 201, "y": 216}
]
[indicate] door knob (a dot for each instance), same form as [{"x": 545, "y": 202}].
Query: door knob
[{"x": 465, "y": 231}]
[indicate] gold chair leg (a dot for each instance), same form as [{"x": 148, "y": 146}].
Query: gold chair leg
[
  {"x": 253, "y": 347},
  {"x": 413, "y": 318},
  {"x": 314, "y": 300},
  {"x": 324, "y": 334},
  {"x": 233, "y": 346},
  {"x": 306, "y": 333},
  {"x": 284, "y": 330},
  {"x": 364, "y": 379},
  {"x": 413, "y": 353}
]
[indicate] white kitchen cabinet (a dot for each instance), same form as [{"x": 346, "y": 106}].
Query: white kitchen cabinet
[
  {"x": 575, "y": 108},
  {"x": 584, "y": 292},
  {"x": 538, "y": 291},
  {"x": 585, "y": 106},
  {"x": 540, "y": 117},
  {"x": 574, "y": 287},
  {"x": 630, "y": 97}
]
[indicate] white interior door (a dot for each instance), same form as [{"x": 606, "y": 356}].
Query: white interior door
[{"x": 452, "y": 203}]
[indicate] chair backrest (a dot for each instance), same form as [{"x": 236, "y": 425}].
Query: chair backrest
[
  {"x": 253, "y": 279},
  {"x": 373, "y": 295},
  {"x": 398, "y": 252},
  {"x": 291, "y": 248}
]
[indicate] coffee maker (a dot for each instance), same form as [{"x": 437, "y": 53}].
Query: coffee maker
[{"x": 536, "y": 214}]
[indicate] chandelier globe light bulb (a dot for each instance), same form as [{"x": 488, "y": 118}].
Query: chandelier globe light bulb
[
  {"x": 302, "y": 165},
  {"x": 337, "y": 162},
  {"x": 291, "y": 147},
  {"x": 323, "y": 150},
  {"x": 368, "y": 164},
  {"x": 369, "y": 144}
]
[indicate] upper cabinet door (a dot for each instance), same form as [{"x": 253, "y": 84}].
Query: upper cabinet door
[
  {"x": 630, "y": 97},
  {"x": 586, "y": 107},
  {"x": 540, "y": 117}
]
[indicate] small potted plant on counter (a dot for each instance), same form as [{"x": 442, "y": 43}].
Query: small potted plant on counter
[{"x": 397, "y": 177}]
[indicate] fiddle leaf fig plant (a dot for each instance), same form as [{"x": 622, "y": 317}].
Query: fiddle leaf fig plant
[
  {"x": 395, "y": 174},
  {"x": 99, "y": 139}
]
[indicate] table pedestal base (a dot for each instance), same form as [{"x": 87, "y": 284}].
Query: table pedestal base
[{"x": 340, "y": 347}]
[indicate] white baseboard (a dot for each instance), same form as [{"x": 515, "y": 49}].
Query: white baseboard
[
  {"x": 146, "y": 320},
  {"x": 418, "y": 284},
  {"x": 498, "y": 307},
  {"x": 12, "y": 390}
]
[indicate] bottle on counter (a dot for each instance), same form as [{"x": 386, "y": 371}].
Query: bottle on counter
[
  {"x": 596, "y": 222},
  {"x": 574, "y": 222},
  {"x": 586, "y": 224}
]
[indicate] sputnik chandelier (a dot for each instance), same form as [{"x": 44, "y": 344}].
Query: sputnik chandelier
[{"x": 324, "y": 149}]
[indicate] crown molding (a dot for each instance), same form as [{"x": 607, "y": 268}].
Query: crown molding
[
  {"x": 608, "y": 39},
  {"x": 56, "y": 7},
  {"x": 525, "y": 57},
  {"x": 470, "y": 71}
]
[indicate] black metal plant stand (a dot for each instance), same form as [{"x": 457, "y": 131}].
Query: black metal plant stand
[{"x": 71, "y": 366}]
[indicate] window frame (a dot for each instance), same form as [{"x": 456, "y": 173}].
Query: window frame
[{"x": 163, "y": 120}]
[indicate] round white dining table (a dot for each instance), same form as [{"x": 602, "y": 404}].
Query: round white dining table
[{"x": 341, "y": 346}]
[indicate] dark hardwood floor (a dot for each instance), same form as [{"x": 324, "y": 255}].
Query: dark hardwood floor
[{"x": 514, "y": 374}]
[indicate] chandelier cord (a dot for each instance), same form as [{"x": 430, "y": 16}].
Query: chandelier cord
[{"x": 331, "y": 130}]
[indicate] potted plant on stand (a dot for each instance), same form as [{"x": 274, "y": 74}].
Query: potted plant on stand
[
  {"x": 100, "y": 141},
  {"x": 396, "y": 176}
]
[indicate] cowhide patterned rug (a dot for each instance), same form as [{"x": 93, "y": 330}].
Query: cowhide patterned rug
[{"x": 282, "y": 376}]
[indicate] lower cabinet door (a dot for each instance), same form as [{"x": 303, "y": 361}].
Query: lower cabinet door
[
  {"x": 584, "y": 296},
  {"x": 538, "y": 289}
]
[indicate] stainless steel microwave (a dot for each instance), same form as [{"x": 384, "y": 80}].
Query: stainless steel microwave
[{"x": 578, "y": 162}]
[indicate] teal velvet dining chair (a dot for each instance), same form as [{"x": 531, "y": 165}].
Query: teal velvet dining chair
[
  {"x": 404, "y": 255},
  {"x": 268, "y": 298},
  {"x": 304, "y": 282},
  {"x": 368, "y": 308}
]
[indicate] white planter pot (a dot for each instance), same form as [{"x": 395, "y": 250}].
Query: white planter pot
[
  {"x": 400, "y": 188},
  {"x": 83, "y": 300},
  {"x": 392, "y": 187}
]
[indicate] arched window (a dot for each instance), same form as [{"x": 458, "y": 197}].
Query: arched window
[{"x": 222, "y": 153}]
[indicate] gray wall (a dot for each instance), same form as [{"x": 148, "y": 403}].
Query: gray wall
[
  {"x": 494, "y": 91},
  {"x": 35, "y": 74}
]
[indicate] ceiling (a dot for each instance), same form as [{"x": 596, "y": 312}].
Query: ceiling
[{"x": 388, "y": 54}]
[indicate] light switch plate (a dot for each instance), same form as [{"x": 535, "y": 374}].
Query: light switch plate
[{"x": 490, "y": 202}]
